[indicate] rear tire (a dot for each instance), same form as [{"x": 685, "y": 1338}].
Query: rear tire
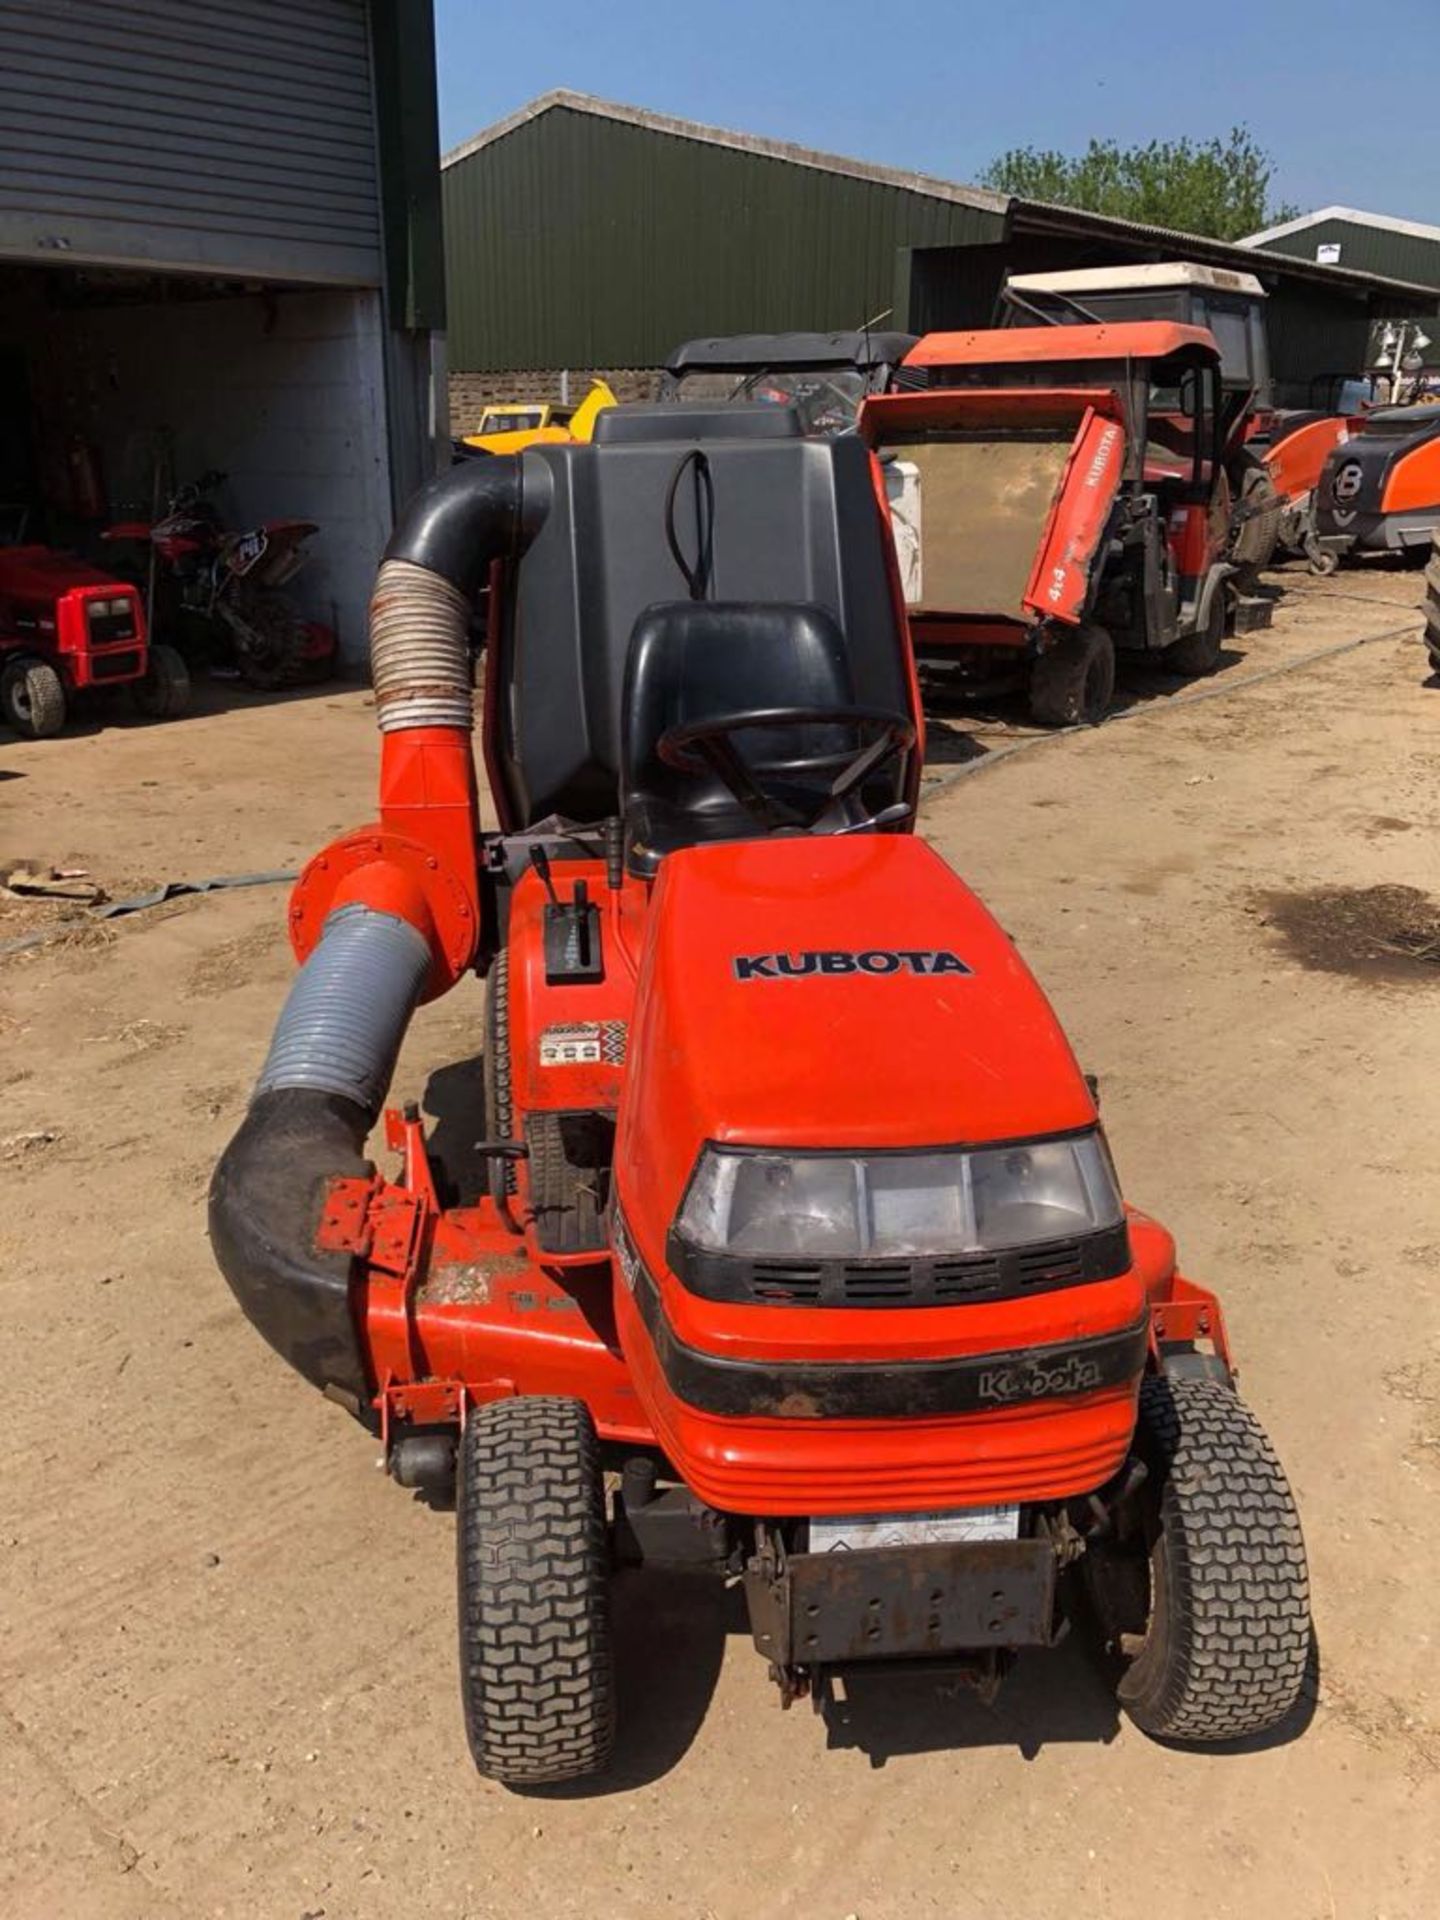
[
  {"x": 1073, "y": 682},
  {"x": 536, "y": 1672},
  {"x": 1228, "y": 1636},
  {"x": 269, "y": 640},
  {"x": 164, "y": 693},
  {"x": 32, "y": 696},
  {"x": 1258, "y": 535},
  {"x": 1199, "y": 652}
]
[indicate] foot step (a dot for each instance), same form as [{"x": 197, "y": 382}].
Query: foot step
[{"x": 1253, "y": 613}]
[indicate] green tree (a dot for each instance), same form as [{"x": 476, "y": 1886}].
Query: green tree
[{"x": 1218, "y": 187}]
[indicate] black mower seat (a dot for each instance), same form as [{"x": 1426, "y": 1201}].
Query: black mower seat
[{"x": 690, "y": 661}]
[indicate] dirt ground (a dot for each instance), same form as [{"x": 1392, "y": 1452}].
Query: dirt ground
[{"x": 226, "y": 1641}]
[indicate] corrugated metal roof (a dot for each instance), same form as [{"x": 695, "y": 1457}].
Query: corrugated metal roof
[{"x": 1351, "y": 216}]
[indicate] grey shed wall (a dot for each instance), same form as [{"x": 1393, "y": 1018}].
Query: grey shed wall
[
  {"x": 223, "y": 136},
  {"x": 577, "y": 241},
  {"x": 1399, "y": 256}
]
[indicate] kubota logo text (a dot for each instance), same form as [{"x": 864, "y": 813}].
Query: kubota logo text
[
  {"x": 1038, "y": 1379},
  {"x": 874, "y": 960}
]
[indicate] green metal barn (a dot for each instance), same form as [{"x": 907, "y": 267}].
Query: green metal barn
[{"x": 583, "y": 236}]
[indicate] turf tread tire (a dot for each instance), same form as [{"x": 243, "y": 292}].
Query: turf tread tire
[
  {"x": 1228, "y": 1658},
  {"x": 536, "y": 1667},
  {"x": 33, "y": 697}
]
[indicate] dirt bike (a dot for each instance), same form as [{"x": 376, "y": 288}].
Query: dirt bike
[{"x": 228, "y": 585}]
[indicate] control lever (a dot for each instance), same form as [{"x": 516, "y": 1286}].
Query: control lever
[{"x": 572, "y": 930}]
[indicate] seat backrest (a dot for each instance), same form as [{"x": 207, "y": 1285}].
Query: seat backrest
[
  {"x": 794, "y": 520},
  {"x": 694, "y": 660}
]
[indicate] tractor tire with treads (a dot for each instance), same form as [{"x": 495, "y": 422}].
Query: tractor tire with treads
[
  {"x": 495, "y": 1062},
  {"x": 1228, "y": 1636},
  {"x": 536, "y": 1671},
  {"x": 1258, "y": 532},
  {"x": 1432, "y": 604},
  {"x": 1073, "y": 681},
  {"x": 32, "y": 698}
]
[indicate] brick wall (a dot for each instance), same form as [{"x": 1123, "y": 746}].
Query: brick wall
[{"x": 470, "y": 393}]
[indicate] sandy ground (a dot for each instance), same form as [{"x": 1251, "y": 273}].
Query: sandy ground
[{"x": 226, "y": 1640}]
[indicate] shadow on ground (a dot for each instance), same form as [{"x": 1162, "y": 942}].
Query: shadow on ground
[
  {"x": 97, "y": 712},
  {"x": 455, "y": 1101}
]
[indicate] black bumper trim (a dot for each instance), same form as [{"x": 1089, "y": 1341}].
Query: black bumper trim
[{"x": 881, "y": 1390}]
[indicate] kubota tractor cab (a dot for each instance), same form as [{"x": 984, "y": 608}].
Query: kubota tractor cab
[
  {"x": 824, "y": 375},
  {"x": 1231, "y": 307},
  {"x": 1058, "y": 493},
  {"x": 796, "y": 1255}
]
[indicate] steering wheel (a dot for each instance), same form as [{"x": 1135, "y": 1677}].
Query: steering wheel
[{"x": 701, "y": 746}]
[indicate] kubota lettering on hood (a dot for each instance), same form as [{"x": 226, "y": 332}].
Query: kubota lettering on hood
[{"x": 873, "y": 961}]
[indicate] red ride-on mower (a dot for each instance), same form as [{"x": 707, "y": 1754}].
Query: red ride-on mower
[
  {"x": 67, "y": 630},
  {"x": 799, "y": 1255}
]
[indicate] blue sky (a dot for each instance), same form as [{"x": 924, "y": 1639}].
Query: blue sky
[{"x": 1343, "y": 97}]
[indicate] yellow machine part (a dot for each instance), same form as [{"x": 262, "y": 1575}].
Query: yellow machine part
[{"x": 580, "y": 426}]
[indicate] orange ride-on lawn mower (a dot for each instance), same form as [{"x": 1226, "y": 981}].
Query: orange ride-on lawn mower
[
  {"x": 1379, "y": 491},
  {"x": 1058, "y": 493},
  {"x": 799, "y": 1257},
  {"x": 1295, "y": 443}
]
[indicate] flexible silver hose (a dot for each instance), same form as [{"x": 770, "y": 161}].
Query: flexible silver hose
[
  {"x": 419, "y": 650},
  {"x": 347, "y": 1011}
]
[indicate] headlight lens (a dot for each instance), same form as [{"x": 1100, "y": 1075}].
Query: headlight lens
[{"x": 854, "y": 1207}]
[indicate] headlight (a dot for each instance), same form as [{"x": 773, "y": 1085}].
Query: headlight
[{"x": 767, "y": 1205}]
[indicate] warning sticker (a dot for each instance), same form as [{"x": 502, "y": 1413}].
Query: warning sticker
[{"x": 573, "y": 1045}]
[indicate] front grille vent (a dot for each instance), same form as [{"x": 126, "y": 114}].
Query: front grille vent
[{"x": 922, "y": 1281}]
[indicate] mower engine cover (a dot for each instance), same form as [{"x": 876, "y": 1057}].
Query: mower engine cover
[{"x": 921, "y": 1136}]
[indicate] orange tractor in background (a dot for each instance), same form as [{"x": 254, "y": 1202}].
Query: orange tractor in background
[{"x": 1060, "y": 493}]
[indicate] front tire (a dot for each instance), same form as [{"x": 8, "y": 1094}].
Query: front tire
[
  {"x": 32, "y": 697},
  {"x": 536, "y": 1672},
  {"x": 1227, "y": 1639},
  {"x": 1073, "y": 681},
  {"x": 164, "y": 692}
]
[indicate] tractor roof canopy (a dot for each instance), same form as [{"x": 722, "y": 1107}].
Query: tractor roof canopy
[
  {"x": 1147, "y": 276},
  {"x": 1032, "y": 346},
  {"x": 743, "y": 352}
]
